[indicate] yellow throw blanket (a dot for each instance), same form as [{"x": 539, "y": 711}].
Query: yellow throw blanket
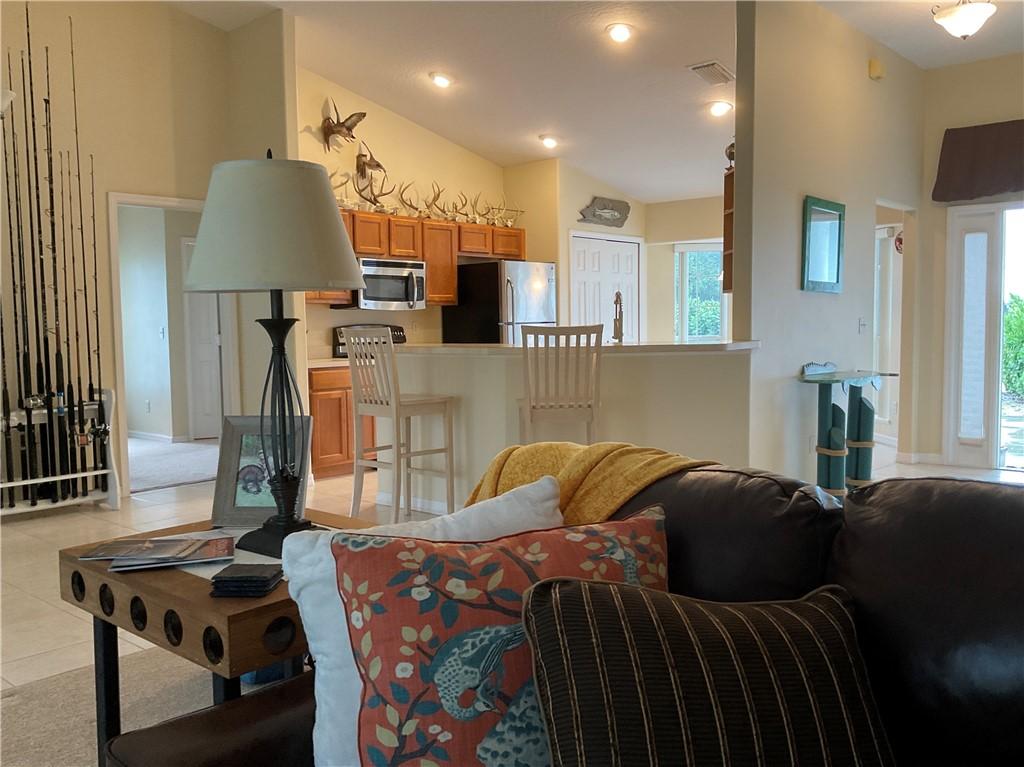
[{"x": 595, "y": 480}]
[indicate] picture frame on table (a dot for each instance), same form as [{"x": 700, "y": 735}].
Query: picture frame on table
[{"x": 242, "y": 495}]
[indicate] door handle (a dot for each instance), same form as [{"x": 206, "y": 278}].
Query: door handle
[
  {"x": 410, "y": 289},
  {"x": 512, "y": 301}
]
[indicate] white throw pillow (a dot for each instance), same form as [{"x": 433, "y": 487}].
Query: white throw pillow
[{"x": 313, "y": 583}]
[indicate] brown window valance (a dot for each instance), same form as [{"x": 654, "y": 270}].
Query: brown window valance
[{"x": 980, "y": 161}]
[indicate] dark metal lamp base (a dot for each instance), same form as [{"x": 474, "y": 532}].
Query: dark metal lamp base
[{"x": 269, "y": 539}]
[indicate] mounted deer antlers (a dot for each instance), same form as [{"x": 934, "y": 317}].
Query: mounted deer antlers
[
  {"x": 373, "y": 195},
  {"x": 337, "y": 127},
  {"x": 434, "y": 204}
]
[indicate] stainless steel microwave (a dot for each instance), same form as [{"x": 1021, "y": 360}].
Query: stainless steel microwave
[{"x": 393, "y": 285}]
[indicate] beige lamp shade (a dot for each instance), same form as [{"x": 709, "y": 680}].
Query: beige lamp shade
[{"x": 271, "y": 225}]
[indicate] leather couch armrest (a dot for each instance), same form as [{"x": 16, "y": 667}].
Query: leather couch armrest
[{"x": 273, "y": 726}]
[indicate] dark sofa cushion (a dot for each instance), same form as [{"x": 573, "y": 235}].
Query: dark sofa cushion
[
  {"x": 742, "y": 535},
  {"x": 936, "y": 569},
  {"x": 630, "y": 676}
]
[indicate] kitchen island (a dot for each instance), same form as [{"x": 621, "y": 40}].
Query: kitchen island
[{"x": 688, "y": 398}]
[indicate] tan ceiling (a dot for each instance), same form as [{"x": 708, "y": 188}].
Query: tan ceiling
[
  {"x": 632, "y": 115},
  {"x": 906, "y": 26}
]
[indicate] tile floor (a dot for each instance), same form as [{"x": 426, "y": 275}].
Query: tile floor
[{"x": 41, "y": 635}]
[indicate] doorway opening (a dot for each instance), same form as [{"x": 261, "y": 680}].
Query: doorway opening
[
  {"x": 172, "y": 345},
  {"x": 601, "y": 268},
  {"x": 887, "y": 324}
]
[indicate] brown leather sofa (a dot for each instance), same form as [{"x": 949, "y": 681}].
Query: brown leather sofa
[{"x": 936, "y": 567}]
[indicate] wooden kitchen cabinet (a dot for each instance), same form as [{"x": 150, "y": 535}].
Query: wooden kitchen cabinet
[
  {"x": 346, "y": 219},
  {"x": 332, "y": 297},
  {"x": 333, "y": 412},
  {"x": 728, "y": 196},
  {"x": 370, "y": 234},
  {"x": 475, "y": 239},
  {"x": 440, "y": 252},
  {"x": 405, "y": 236},
  {"x": 509, "y": 243}
]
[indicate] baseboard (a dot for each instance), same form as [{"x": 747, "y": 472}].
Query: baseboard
[
  {"x": 885, "y": 439},
  {"x": 936, "y": 458},
  {"x": 151, "y": 436},
  {"x": 418, "y": 504}
]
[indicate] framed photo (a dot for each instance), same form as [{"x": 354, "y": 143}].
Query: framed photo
[
  {"x": 242, "y": 496},
  {"x": 824, "y": 225}
]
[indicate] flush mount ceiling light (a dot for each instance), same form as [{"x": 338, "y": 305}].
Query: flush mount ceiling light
[
  {"x": 719, "y": 108},
  {"x": 549, "y": 141},
  {"x": 440, "y": 80},
  {"x": 965, "y": 18},
  {"x": 620, "y": 33}
]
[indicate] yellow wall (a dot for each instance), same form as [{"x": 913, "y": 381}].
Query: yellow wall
[
  {"x": 699, "y": 218},
  {"x": 533, "y": 187},
  {"x": 957, "y": 96},
  {"x": 825, "y": 130},
  {"x": 410, "y": 152}
]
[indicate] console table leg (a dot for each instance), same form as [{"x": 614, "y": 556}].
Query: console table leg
[
  {"x": 225, "y": 689},
  {"x": 108, "y": 685}
]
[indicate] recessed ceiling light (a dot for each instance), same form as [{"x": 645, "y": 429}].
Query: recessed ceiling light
[
  {"x": 440, "y": 80},
  {"x": 719, "y": 108},
  {"x": 965, "y": 18},
  {"x": 549, "y": 141},
  {"x": 620, "y": 33}
]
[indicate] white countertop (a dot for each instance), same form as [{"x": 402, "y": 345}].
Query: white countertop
[
  {"x": 614, "y": 349},
  {"x": 329, "y": 362}
]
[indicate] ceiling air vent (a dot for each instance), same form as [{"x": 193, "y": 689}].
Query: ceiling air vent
[{"x": 713, "y": 73}]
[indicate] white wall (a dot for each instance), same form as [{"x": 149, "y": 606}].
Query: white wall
[
  {"x": 144, "y": 319},
  {"x": 818, "y": 126}
]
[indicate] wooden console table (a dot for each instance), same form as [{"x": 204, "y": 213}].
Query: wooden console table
[{"x": 173, "y": 609}]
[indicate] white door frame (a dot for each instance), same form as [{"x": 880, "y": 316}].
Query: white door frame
[
  {"x": 230, "y": 380},
  {"x": 993, "y": 320},
  {"x": 114, "y": 201},
  {"x": 565, "y": 271}
]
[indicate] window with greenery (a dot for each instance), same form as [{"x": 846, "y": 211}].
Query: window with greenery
[{"x": 699, "y": 293}]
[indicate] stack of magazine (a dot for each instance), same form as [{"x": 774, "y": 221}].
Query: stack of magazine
[{"x": 143, "y": 553}]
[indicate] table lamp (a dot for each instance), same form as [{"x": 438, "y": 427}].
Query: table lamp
[{"x": 273, "y": 225}]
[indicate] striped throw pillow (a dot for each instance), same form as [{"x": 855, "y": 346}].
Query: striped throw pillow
[{"x": 628, "y": 676}]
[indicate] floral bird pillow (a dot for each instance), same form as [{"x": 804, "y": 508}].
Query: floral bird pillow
[{"x": 436, "y": 632}]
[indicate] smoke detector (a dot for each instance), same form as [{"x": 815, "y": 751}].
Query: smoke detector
[{"x": 713, "y": 73}]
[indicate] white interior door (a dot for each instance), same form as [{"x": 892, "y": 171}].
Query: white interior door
[
  {"x": 973, "y": 331},
  {"x": 600, "y": 268},
  {"x": 888, "y": 313},
  {"x": 203, "y": 342}
]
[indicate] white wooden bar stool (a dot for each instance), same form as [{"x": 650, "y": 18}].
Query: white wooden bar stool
[
  {"x": 562, "y": 372},
  {"x": 371, "y": 356}
]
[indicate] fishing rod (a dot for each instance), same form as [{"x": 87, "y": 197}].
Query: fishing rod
[
  {"x": 44, "y": 368},
  {"x": 93, "y": 427},
  {"x": 81, "y": 435},
  {"x": 5, "y": 411},
  {"x": 99, "y": 445},
  {"x": 62, "y": 444},
  {"x": 19, "y": 431},
  {"x": 71, "y": 427},
  {"x": 29, "y": 401}
]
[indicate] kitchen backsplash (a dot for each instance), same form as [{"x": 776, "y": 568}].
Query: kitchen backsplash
[{"x": 422, "y": 326}]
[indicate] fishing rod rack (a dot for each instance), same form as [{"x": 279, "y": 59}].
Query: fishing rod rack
[
  {"x": 55, "y": 414},
  {"x": 95, "y": 495}
]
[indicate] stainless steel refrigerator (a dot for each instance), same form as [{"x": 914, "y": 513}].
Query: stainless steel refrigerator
[{"x": 496, "y": 298}]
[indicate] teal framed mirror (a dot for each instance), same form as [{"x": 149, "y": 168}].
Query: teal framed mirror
[{"x": 824, "y": 229}]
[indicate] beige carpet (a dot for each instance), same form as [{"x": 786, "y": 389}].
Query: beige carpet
[
  {"x": 52, "y": 722},
  {"x": 153, "y": 464}
]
